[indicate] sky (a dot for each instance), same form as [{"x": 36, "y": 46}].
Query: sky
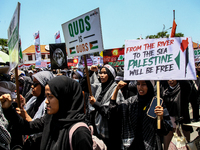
[{"x": 120, "y": 19}]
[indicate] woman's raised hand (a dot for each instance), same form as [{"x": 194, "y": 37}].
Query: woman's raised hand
[
  {"x": 94, "y": 68},
  {"x": 121, "y": 84},
  {"x": 6, "y": 101}
]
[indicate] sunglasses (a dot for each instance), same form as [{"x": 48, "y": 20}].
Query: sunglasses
[{"x": 35, "y": 84}]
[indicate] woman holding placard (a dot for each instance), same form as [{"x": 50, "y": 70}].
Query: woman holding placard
[{"x": 139, "y": 128}]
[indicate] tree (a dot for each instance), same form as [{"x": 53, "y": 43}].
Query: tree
[
  {"x": 163, "y": 34},
  {"x": 4, "y": 45}
]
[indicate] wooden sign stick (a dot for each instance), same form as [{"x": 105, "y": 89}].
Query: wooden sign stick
[
  {"x": 17, "y": 87},
  {"x": 158, "y": 103}
]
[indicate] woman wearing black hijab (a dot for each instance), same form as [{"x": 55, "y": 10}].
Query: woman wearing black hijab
[
  {"x": 99, "y": 103},
  {"x": 64, "y": 109},
  {"x": 139, "y": 131}
]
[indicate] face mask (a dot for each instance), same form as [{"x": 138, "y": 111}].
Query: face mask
[{"x": 76, "y": 80}]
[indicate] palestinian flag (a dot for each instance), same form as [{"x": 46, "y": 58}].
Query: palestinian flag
[
  {"x": 93, "y": 45},
  {"x": 185, "y": 50},
  {"x": 72, "y": 50}
]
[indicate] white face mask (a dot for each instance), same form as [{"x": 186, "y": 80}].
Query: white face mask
[{"x": 76, "y": 80}]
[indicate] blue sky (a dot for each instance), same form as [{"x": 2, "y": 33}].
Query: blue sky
[{"x": 120, "y": 19}]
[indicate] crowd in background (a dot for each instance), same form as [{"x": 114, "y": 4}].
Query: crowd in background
[{"x": 52, "y": 101}]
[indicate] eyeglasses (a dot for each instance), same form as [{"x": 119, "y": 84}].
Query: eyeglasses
[{"x": 35, "y": 84}]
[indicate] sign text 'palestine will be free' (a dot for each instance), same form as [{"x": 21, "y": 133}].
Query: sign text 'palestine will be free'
[
  {"x": 83, "y": 34},
  {"x": 159, "y": 59}
]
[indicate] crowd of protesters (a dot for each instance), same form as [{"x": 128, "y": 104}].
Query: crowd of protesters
[{"x": 52, "y": 101}]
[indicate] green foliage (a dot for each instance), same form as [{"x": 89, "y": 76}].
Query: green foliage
[
  {"x": 4, "y": 45},
  {"x": 163, "y": 34},
  {"x": 179, "y": 35},
  {"x": 32, "y": 67}
]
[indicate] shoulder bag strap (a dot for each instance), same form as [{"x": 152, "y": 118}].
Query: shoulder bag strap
[{"x": 71, "y": 131}]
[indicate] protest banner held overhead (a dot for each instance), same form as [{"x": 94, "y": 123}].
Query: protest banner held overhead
[
  {"x": 83, "y": 34},
  {"x": 58, "y": 56},
  {"x": 13, "y": 38},
  {"x": 159, "y": 59}
]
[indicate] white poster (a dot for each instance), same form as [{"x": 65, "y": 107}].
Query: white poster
[
  {"x": 96, "y": 60},
  {"x": 37, "y": 47},
  {"x": 83, "y": 34},
  {"x": 13, "y": 38},
  {"x": 159, "y": 59}
]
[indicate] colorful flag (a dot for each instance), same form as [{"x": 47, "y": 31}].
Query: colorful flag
[
  {"x": 72, "y": 50},
  {"x": 37, "y": 46},
  {"x": 57, "y": 37},
  {"x": 93, "y": 45},
  {"x": 101, "y": 54},
  {"x": 173, "y": 29}
]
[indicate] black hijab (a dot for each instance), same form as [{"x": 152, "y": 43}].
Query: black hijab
[
  {"x": 105, "y": 86},
  {"x": 143, "y": 101},
  {"x": 71, "y": 110},
  {"x": 43, "y": 77},
  {"x": 35, "y": 106},
  {"x": 149, "y": 95}
]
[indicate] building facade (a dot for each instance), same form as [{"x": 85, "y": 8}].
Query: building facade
[{"x": 30, "y": 59}]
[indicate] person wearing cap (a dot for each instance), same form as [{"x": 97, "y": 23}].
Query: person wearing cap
[
  {"x": 64, "y": 72},
  {"x": 99, "y": 102},
  {"x": 30, "y": 73},
  {"x": 77, "y": 75}
]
